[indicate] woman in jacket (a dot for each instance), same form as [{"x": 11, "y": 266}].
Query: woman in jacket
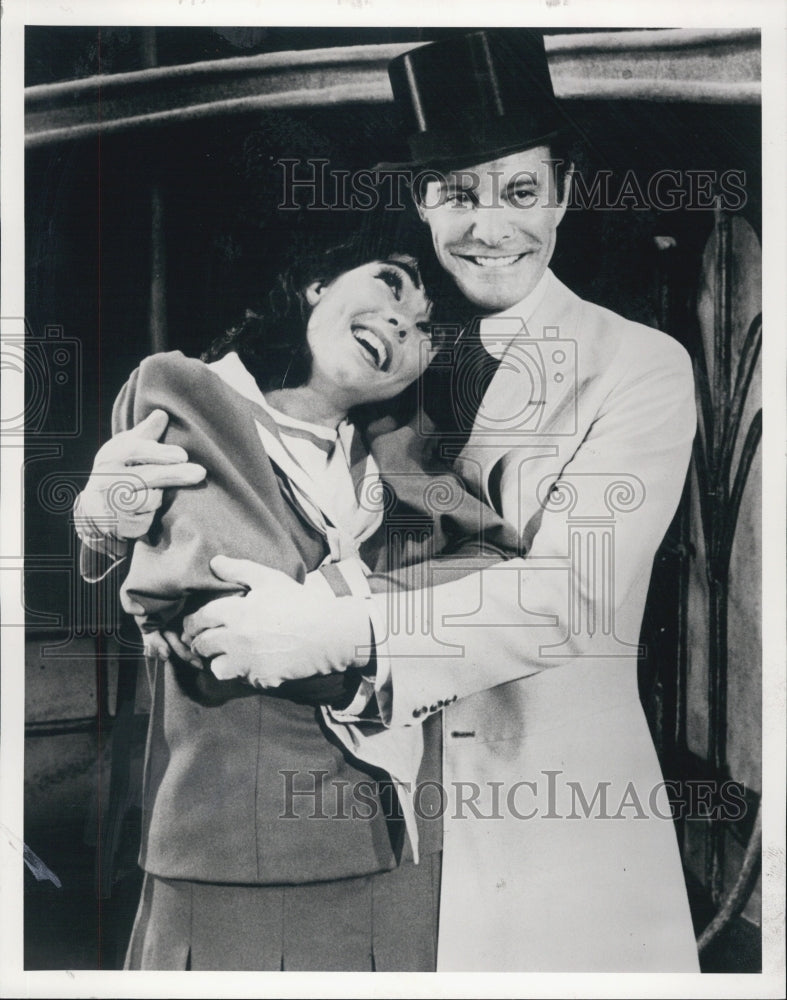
[{"x": 271, "y": 838}]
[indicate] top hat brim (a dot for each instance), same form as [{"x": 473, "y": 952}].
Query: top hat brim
[{"x": 472, "y": 156}]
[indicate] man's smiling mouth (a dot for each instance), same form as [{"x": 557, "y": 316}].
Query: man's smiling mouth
[
  {"x": 375, "y": 347},
  {"x": 492, "y": 262}
]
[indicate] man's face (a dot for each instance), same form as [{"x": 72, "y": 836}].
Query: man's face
[{"x": 494, "y": 225}]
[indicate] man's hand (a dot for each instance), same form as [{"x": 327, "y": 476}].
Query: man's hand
[
  {"x": 279, "y": 630},
  {"x": 129, "y": 473}
]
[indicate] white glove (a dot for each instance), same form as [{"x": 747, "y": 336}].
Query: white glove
[
  {"x": 279, "y": 630},
  {"x": 125, "y": 487}
]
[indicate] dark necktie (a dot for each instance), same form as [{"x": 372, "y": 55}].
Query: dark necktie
[{"x": 455, "y": 391}]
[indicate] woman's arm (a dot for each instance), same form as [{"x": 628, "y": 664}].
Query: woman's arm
[{"x": 237, "y": 507}]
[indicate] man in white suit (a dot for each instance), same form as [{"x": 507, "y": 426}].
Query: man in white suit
[{"x": 559, "y": 850}]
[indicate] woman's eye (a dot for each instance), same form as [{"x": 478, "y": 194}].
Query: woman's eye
[{"x": 393, "y": 280}]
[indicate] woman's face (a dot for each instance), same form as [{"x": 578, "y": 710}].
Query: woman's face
[{"x": 368, "y": 332}]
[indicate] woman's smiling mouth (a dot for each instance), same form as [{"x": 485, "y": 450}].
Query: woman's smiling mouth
[{"x": 376, "y": 350}]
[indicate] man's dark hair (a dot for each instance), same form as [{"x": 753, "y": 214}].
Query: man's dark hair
[{"x": 565, "y": 151}]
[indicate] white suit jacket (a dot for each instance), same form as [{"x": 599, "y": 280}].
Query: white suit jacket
[{"x": 583, "y": 441}]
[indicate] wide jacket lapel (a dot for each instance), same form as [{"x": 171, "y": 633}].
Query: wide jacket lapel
[{"x": 532, "y": 399}]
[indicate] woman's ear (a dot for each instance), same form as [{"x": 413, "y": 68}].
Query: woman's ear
[{"x": 314, "y": 292}]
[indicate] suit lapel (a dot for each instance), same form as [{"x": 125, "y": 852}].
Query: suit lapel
[{"x": 532, "y": 397}]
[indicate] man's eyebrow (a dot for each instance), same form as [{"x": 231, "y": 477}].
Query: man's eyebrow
[
  {"x": 409, "y": 270},
  {"x": 524, "y": 180},
  {"x": 464, "y": 181}
]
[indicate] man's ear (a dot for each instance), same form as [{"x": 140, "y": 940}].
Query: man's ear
[
  {"x": 563, "y": 204},
  {"x": 418, "y": 204},
  {"x": 313, "y": 292}
]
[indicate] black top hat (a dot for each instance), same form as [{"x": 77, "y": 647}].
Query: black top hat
[{"x": 475, "y": 97}]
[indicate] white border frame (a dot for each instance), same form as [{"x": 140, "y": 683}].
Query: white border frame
[{"x": 771, "y": 17}]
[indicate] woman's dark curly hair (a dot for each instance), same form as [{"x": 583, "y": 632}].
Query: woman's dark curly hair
[{"x": 271, "y": 341}]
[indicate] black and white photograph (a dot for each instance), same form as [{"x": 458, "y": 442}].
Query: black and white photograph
[{"x": 389, "y": 436}]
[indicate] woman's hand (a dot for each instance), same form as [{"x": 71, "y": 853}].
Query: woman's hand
[
  {"x": 279, "y": 630},
  {"x": 125, "y": 486},
  {"x": 161, "y": 646}
]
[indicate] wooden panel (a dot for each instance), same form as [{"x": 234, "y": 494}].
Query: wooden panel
[{"x": 721, "y": 66}]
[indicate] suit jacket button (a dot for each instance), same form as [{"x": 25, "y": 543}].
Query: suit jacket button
[
  {"x": 433, "y": 708},
  {"x": 416, "y": 712}
]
